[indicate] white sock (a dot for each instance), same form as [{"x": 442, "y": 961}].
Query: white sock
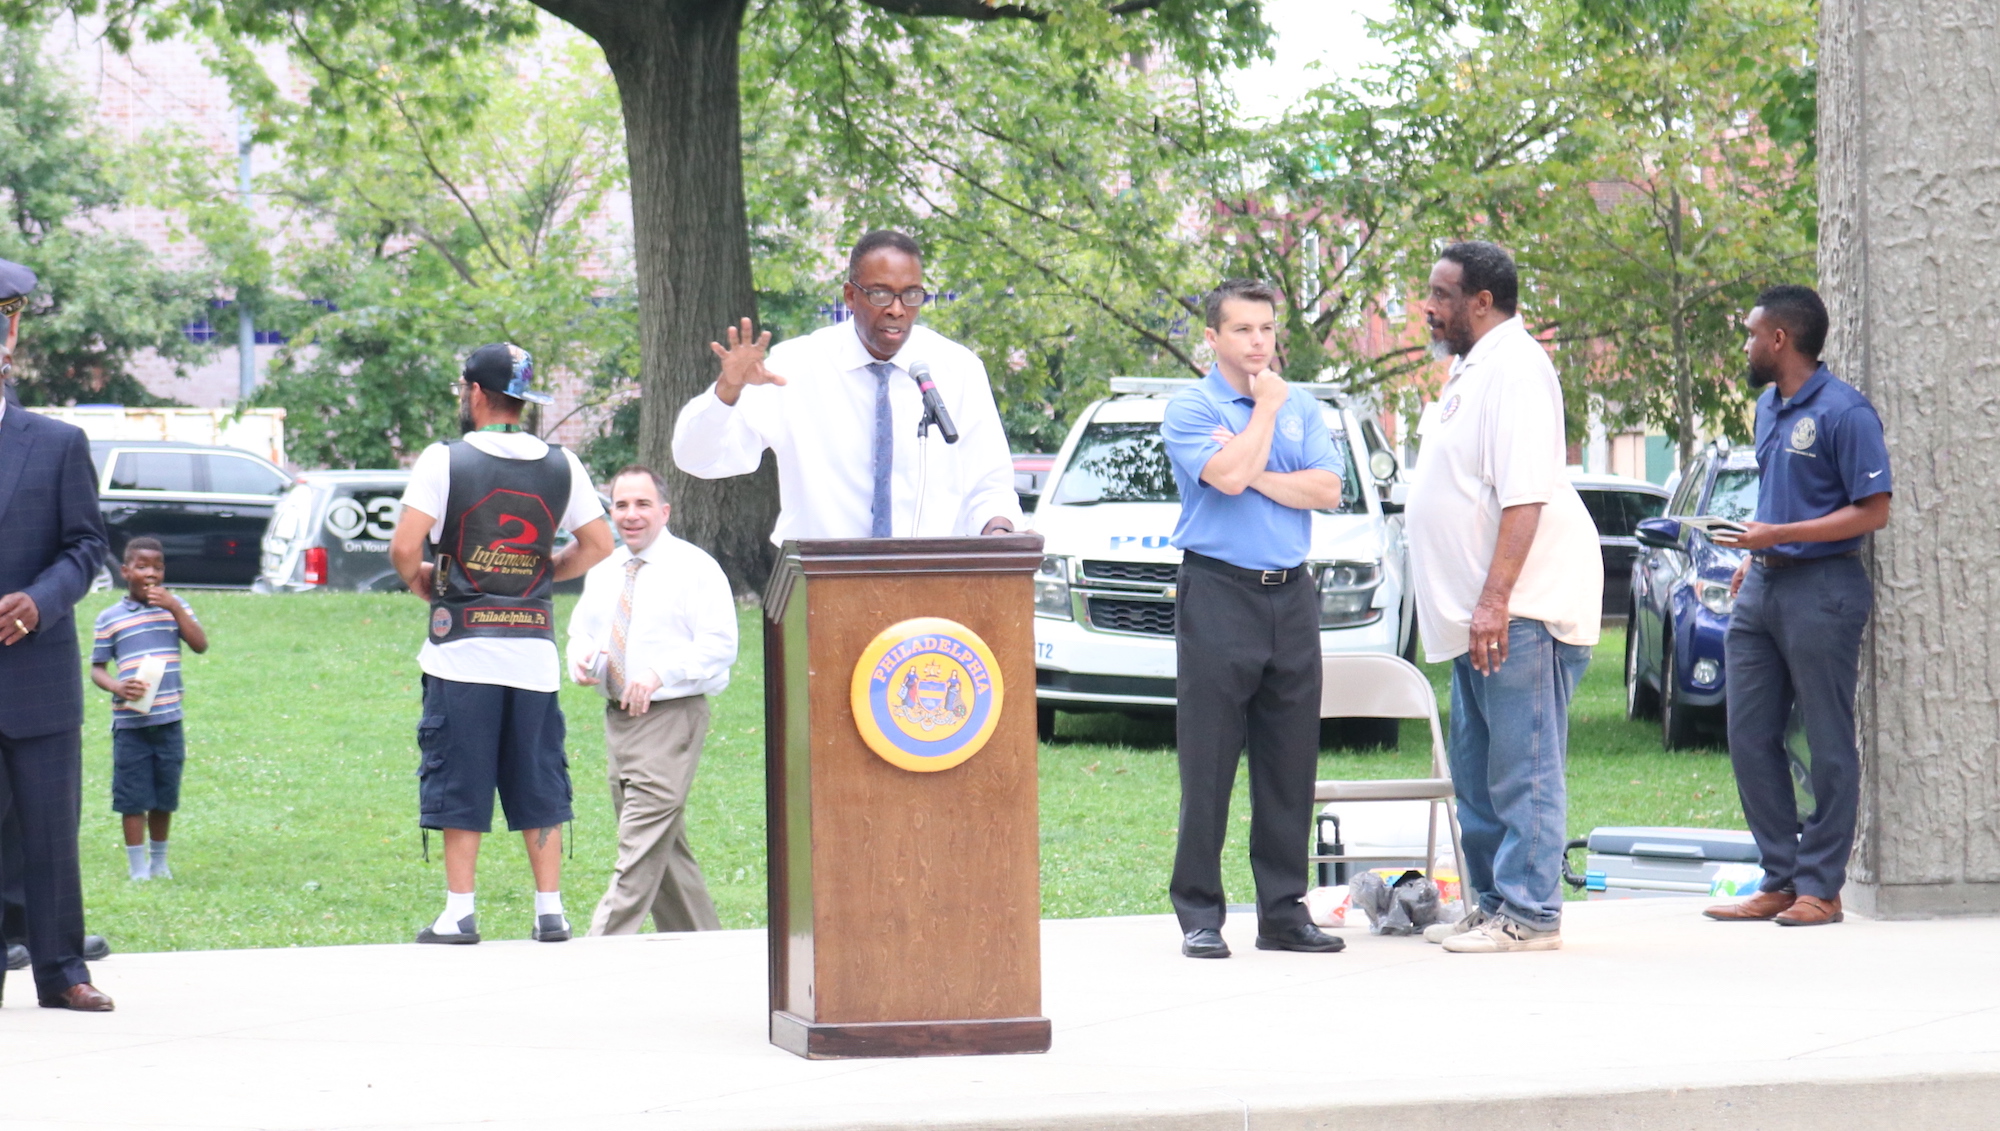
[
  {"x": 457, "y": 905},
  {"x": 135, "y": 862},
  {"x": 548, "y": 903},
  {"x": 157, "y": 850}
]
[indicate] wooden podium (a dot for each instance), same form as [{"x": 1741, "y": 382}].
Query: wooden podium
[{"x": 905, "y": 905}]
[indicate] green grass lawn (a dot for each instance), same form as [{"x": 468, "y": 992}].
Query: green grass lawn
[{"x": 298, "y": 815}]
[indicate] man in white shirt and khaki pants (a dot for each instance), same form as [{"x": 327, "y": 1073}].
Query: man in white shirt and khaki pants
[
  {"x": 656, "y": 630},
  {"x": 1508, "y": 582},
  {"x": 839, "y": 408}
]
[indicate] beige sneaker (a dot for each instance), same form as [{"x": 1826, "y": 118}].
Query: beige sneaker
[
  {"x": 1438, "y": 932},
  {"x": 1500, "y": 933}
]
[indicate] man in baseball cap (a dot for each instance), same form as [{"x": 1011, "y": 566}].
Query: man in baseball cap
[
  {"x": 55, "y": 542},
  {"x": 489, "y": 506},
  {"x": 507, "y": 369}
]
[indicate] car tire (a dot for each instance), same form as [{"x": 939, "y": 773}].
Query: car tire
[
  {"x": 1410, "y": 648},
  {"x": 1360, "y": 734},
  {"x": 1641, "y": 701},
  {"x": 1045, "y": 722},
  {"x": 1677, "y": 719}
]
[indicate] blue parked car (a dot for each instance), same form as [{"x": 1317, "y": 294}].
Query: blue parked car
[{"x": 1681, "y": 602}]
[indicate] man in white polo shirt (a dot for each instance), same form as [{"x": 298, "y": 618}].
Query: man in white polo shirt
[{"x": 1508, "y": 583}]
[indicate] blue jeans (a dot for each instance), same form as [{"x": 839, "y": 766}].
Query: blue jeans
[{"x": 1509, "y": 742}]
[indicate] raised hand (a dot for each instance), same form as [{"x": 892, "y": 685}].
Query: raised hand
[{"x": 742, "y": 362}]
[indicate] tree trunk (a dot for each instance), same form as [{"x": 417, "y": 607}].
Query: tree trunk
[
  {"x": 1683, "y": 367},
  {"x": 675, "y": 62}
]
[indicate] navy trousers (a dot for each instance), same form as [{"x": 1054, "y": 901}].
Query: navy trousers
[
  {"x": 1795, "y": 637},
  {"x": 41, "y": 779}
]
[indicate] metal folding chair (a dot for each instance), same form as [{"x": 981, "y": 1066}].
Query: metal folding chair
[{"x": 1373, "y": 685}]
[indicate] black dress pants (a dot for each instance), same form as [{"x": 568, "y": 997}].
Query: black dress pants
[
  {"x": 1249, "y": 677},
  {"x": 41, "y": 780}
]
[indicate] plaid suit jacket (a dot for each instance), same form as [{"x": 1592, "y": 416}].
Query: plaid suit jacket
[{"x": 51, "y": 544}]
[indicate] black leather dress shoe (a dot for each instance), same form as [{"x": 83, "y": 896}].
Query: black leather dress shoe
[
  {"x": 95, "y": 948},
  {"x": 1205, "y": 942},
  {"x": 17, "y": 957},
  {"x": 1304, "y": 937}
]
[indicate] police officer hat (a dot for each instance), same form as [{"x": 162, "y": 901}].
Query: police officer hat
[
  {"x": 504, "y": 368},
  {"x": 16, "y": 282}
]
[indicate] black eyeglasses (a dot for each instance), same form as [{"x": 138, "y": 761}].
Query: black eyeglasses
[{"x": 913, "y": 298}]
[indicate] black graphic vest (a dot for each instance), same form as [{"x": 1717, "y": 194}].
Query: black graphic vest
[{"x": 495, "y": 568}]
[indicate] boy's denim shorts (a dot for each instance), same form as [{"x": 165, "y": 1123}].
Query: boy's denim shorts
[{"x": 146, "y": 768}]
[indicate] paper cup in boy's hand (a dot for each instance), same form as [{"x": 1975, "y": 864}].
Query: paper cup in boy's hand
[{"x": 152, "y": 669}]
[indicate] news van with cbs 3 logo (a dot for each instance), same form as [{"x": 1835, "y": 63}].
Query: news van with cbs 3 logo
[
  {"x": 331, "y": 533},
  {"x": 1104, "y": 597}
]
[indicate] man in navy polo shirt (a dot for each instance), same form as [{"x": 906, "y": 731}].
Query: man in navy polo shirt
[
  {"x": 1802, "y": 601},
  {"x": 1253, "y": 459}
]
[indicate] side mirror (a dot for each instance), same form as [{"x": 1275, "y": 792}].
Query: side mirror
[{"x": 1664, "y": 533}]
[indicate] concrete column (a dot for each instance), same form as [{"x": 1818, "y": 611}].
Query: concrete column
[{"x": 1909, "y": 254}]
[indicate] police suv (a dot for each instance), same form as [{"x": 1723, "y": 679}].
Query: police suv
[{"x": 1104, "y": 598}]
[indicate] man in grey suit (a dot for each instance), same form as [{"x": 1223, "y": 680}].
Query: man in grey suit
[{"x": 54, "y": 545}]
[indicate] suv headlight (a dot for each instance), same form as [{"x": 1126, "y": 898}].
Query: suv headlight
[
  {"x": 1714, "y": 596},
  {"x": 1052, "y": 588},
  {"x": 1347, "y": 593}
]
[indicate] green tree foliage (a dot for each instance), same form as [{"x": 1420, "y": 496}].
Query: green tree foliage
[
  {"x": 1057, "y": 173},
  {"x": 1667, "y": 202},
  {"x": 103, "y": 298},
  {"x": 434, "y": 206}
]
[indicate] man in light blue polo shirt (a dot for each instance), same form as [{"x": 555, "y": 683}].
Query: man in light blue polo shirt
[
  {"x": 1802, "y": 603},
  {"x": 1252, "y": 458}
]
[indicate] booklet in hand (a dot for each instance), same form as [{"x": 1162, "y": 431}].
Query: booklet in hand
[{"x": 1718, "y": 529}]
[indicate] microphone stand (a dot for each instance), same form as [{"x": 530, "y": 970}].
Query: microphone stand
[{"x": 923, "y": 466}]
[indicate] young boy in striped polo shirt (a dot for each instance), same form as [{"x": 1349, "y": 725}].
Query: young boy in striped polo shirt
[{"x": 147, "y": 750}]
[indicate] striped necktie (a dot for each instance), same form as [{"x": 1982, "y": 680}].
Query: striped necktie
[
  {"x": 621, "y": 627},
  {"x": 885, "y": 451}
]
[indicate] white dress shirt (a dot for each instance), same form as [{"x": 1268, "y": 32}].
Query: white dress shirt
[
  {"x": 1493, "y": 439},
  {"x": 821, "y": 424},
  {"x": 683, "y": 619}
]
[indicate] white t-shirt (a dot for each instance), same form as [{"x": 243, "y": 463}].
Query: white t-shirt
[
  {"x": 1494, "y": 439},
  {"x": 526, "y": 663}
]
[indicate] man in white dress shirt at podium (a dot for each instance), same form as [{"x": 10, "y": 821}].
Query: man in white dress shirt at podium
[{"x": 840, "y": 408}]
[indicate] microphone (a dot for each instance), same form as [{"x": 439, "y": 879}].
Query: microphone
[{"x": 920, "y": 372}]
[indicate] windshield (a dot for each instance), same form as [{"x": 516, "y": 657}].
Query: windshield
[
  {"x": 1127, "y": 463},
  {"x": 1734, "y": 496}
]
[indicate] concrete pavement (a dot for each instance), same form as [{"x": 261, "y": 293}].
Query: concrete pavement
[{"x": 1650, "y": 1017}]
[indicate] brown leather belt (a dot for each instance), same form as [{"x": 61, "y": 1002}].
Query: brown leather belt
[{"x": 1783, "y": 561}]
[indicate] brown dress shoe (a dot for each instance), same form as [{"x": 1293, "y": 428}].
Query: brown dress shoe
[
  {"x": 1764, "y": 905},
  {"x": 82, "y": 997},
  {"x": 1810, "y": 911}
]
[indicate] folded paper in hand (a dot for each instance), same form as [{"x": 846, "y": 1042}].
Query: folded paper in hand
[
  {"x": 152, "y": 669},
  {"x": 1711, "y": 525}
]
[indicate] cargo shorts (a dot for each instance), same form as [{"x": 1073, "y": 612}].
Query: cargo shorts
[{"x": 479, "y": 738}]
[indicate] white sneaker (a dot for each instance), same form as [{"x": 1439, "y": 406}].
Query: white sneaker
[
  {"x": 1438, "y": 932},
  {"x": 1499, "y": 934}
]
